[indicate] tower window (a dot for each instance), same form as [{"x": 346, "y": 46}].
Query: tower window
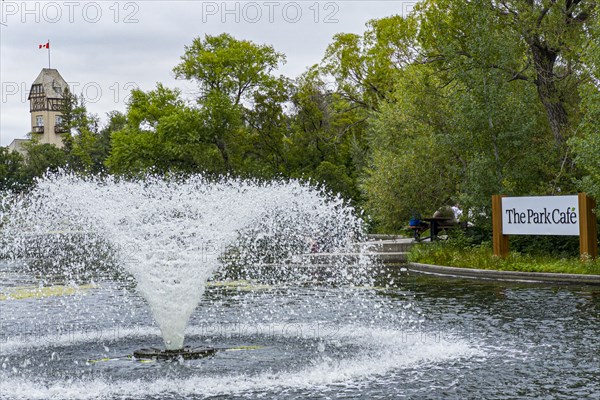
[
  {"x": 59, "y": 120},
  {"x": 39, "y": 120}
]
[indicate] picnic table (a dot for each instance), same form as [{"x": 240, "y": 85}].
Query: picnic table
[{"x": 435, "y": 225}]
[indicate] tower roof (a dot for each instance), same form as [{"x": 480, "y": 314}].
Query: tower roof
[{"x": 53, "y": 84}]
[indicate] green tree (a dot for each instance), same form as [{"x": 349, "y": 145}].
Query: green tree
[
  {"x": 87, "y": 146},
  {"x": 231, "y": 74},
  {"x": 268, "y": 124},
  {"x": 587, "y": 143},
  {"x": 160, "y": 133},
  {"x": 235, "y": 68},
  {"x": 542, "y": 43},
  {"x": 365, "y": 67},
  {"x": 41, "y": 159},
  {"x": 11, "y": 170},
  {"x": 326, "y": 140},
  {"x": 454, "y": 126},
  {"x": 412, "y": 168},
  {"x": 500, "y": 54}
]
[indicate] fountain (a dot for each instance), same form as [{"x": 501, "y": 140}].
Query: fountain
[
  {"x": 171, "y": 235},
  {"x": 194, "y": 288}
]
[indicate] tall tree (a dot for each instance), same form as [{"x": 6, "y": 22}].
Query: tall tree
[
  {"x": 460, "y": 114},
  {"x": 587, "y": 142},
  {"x": 161, "y": 133},
  {"x": 235, "y": 68},
  {"x": 230, "y": 73},
  {"x": 326, "y": 141},
  {"x": 542, "y": 45},
  {"x": 365, "y": 67},
  {"x": 87, "y": 146},
  {"x": 268, "y": 126}
]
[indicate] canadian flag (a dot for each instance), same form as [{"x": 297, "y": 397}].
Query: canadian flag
[{"x": 45, "y": 46}]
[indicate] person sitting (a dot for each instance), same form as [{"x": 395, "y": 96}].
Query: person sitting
[
  {"x": 448, "y": 215},
  {"x": 417, "y": 226}
]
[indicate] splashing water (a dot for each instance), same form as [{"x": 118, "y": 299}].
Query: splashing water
[{"x": 172, "y": 235}]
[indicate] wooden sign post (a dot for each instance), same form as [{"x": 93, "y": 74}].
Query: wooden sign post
[
  {"x": 501, "y": 244},
  {"x": 545, "y": 215},
  {"x": 588, "y": 235}
]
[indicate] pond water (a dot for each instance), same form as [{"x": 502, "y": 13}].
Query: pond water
[{"x": 408, "y": 336}]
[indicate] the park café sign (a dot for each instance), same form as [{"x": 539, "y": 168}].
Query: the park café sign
[{"x": 547, "y": 215}]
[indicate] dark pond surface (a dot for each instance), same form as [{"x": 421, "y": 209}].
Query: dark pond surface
[{"x": 412, "y": 336}]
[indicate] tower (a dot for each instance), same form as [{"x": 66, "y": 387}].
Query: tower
[{"x": 46, "y": 99}]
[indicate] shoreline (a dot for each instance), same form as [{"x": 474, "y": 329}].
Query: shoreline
[{"x": 505, "y": 276}]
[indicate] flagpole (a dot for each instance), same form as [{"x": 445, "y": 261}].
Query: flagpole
[{"x": 48, "y": 44}]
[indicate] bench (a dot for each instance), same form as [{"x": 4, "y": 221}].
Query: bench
[{"x": 418, "y": 230}]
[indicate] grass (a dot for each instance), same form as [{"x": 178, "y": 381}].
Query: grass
[{"x": 480, "y": 257}]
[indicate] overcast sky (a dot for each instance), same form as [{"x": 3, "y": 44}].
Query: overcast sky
[{"x": 104, "y": 48}]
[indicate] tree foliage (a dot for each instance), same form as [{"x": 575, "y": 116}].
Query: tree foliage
[
  {"x": 466, "y": 100},
  {"x": 160, "y": 133},
  {"x": 326, "y": 139},
  {"x": 87, "y": 145},
  {"x": 11, "y": 170},
  {"x": 451, "y": 104},
  {"x": 42, "y": 158},
  {"x": 587, "y": 143},
  {"x": 244, "y": 121}
]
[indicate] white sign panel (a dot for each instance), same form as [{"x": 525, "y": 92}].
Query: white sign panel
[{"x": 548, "y": 215}]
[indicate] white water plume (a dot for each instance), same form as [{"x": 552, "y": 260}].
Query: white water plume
[{"x": 172, "y": 235}]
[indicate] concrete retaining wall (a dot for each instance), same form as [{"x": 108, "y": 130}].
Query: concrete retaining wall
[{"x": 504, "y": 275}]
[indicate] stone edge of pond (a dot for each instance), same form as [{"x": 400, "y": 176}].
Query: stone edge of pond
[{"x": 496, "y": 275}]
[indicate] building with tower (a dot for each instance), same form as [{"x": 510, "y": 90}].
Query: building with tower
[{"x": 46, "y": 100}]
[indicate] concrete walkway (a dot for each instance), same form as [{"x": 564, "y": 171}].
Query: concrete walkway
[{"x": 388, "y": 249}]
